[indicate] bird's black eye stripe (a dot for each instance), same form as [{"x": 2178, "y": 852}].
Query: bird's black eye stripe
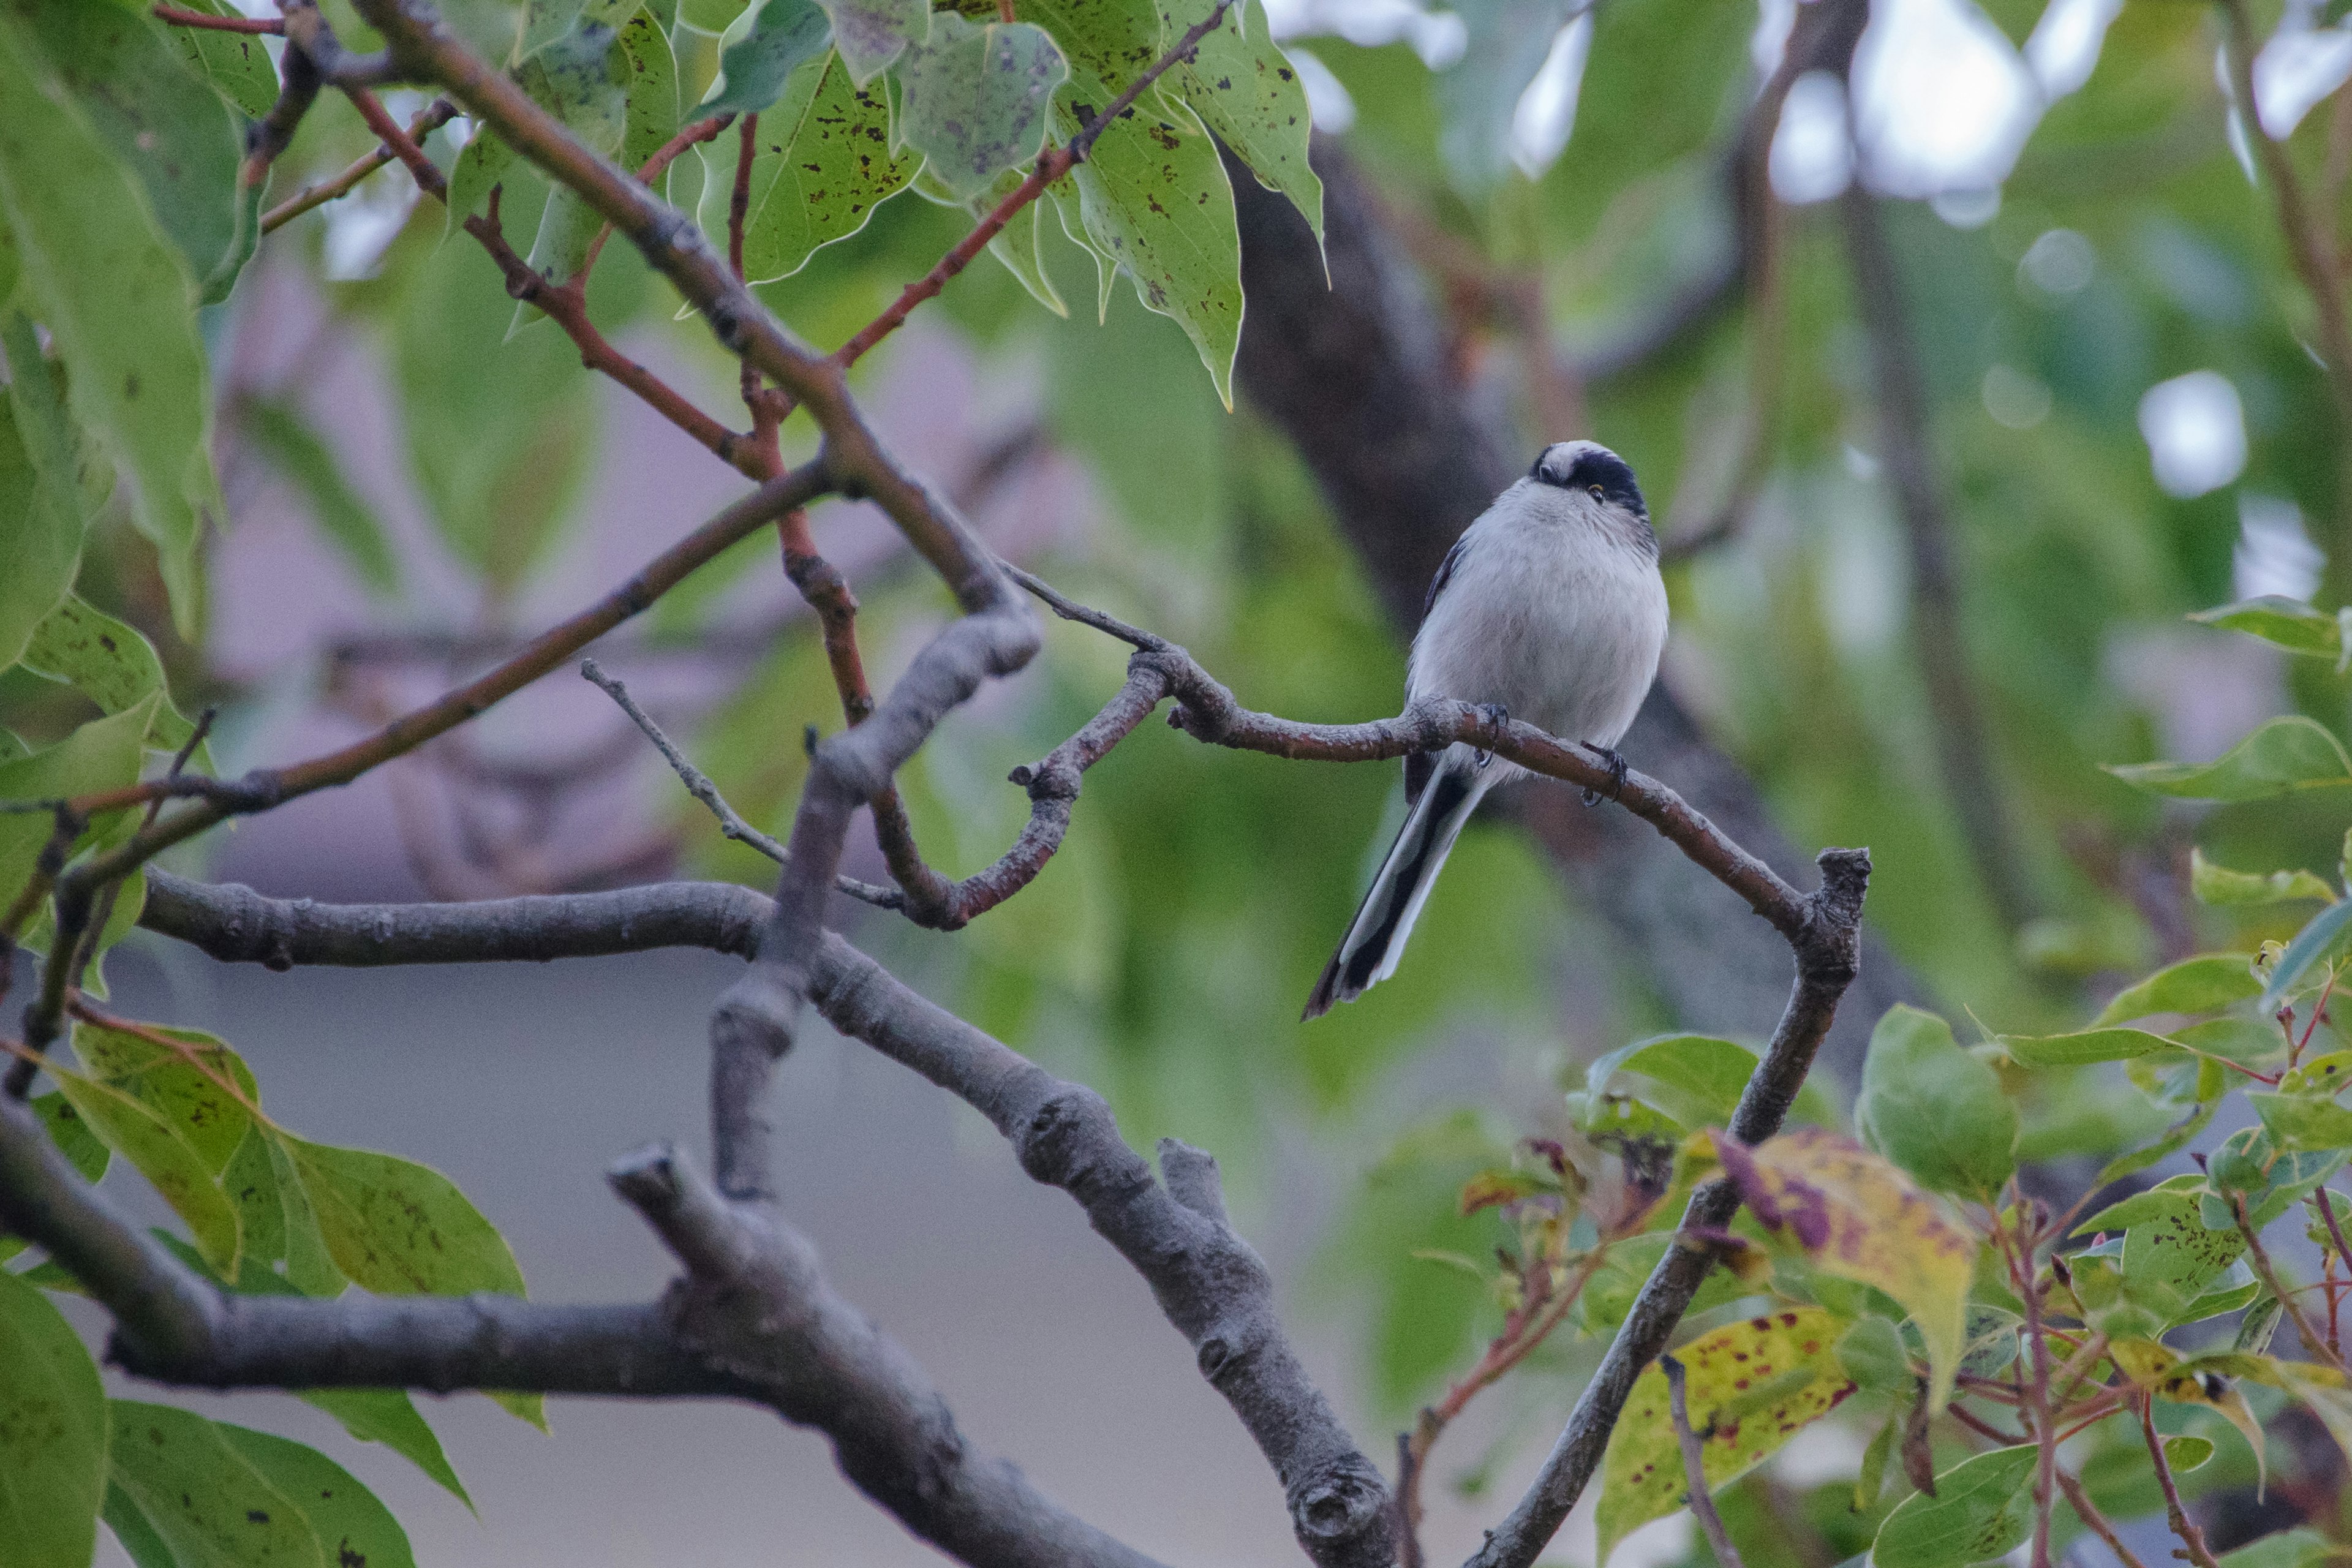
[{"x": 1603, "y": 470}]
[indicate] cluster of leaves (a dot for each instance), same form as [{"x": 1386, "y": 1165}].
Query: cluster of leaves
[
  {"x": 859, "y": 100},
  {"x": 266, "y": 1213},
  {"x": 1900, "y": 1276}
]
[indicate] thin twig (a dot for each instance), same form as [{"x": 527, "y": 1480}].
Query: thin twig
[
  {"x": 2088, "y": 1511},
  {"x": 2260, "y": 1258},
  {"x": 697, "y": 783},
  {"x": 567, "y": 307},
  {"x": 2019, "y": 1250},
  {"x": 389, "y": 133},
  {"x": 2174, "y": 1513},
  {"x": 1702, "y": 1502},
  {"x": 180, "y": 16},
  {"x": 435, "y": 115}
]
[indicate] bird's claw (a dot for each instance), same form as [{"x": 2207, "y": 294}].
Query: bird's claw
[
  {"x": 1497, "y": 717},
  {"x": 1615, "y": 761}
]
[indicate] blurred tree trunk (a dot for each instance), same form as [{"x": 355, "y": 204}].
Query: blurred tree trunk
[{"x": 1355, "y": 373}]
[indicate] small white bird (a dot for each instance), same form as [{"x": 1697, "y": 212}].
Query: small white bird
[{"x": 1548, "y": 607}]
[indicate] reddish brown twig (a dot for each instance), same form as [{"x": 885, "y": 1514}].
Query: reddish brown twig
[
  {"x": 1527, "y": 1325},
  {"x": 389, "y": 132},
  {"x": 262, "y": 790},
  {"x": 669, "y": 153},
  {"x": 567, "y": 306},
  {"x": 2174, "y": 1513},
  {"x": 179, "y": 17},
  {"x": 1051, "y": 165},
  {"x": 435, "y": 115},
  {"x": 2088, "y": 1513}
]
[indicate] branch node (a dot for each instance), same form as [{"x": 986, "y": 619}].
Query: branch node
[{"x": 1192, "y": 1179}]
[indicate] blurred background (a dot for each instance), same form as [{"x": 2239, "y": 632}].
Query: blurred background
[{"x": 1952, "y": 393}]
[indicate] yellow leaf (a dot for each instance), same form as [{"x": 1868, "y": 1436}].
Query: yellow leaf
[
  {"x": 1859, "y": 1217},
  {"x": 1750, "y": 1386}
]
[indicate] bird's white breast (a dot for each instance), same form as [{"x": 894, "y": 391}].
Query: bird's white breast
[{"x": 1551, "y": 611}]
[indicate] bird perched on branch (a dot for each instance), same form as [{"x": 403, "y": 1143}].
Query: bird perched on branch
[{"x": 1548, "y": 609}]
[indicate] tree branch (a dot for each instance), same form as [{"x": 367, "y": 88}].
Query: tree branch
[
  {"x": 753, "y": 1319},
  {"x": 265, "y": 788},
  {"x": 1828, "y": 951},
  {"x": 1208, "y": 1280}
]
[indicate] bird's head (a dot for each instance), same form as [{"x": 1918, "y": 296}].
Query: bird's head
[{"x": 1590, "y": 472}]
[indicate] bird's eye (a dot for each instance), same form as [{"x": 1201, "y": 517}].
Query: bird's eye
[{"x": 1597, "y": 493}]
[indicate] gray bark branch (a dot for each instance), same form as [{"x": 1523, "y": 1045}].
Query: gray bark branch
[{"x": 753, "y": 1319}]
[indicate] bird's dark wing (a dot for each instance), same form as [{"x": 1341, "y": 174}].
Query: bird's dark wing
[
  {"x": 1421, "y": 765},
  {"x": 1444, "y": 576}
]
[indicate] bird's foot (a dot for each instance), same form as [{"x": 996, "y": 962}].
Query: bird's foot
[
  {"x": 1497, "y": 716},
  {"x": 1615, "y": 761}
]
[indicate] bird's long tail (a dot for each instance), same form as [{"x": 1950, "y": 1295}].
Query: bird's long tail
[{"x": 1369, "y": 953}]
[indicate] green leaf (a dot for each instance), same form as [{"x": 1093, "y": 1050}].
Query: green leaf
[
  {"x": 651, "y": 89},
  {"x": 2282, "y": 622},
  {"x": 389, "y": 1416},
  {"x": 2225, "y": 888},
  {"x": 1873, "y": 1355},
  {"x": 2310, "y": 944},
  {"x": 1711, "y": 1072},
  {"x": 71, "y": 1135},
  {"x": 274, "y": 1215},
  {"x": 1248, "y": 94},
  {"x": 111, "y": 663},
  {"x": 2286, "y": 755},
  {"x": 976, "y": 99},
  {"x": 820, "y": 165},
  {"x": 1019, "y": 245},
  {"x": 102, "y": 754},
  {"x": 1983, "y": 1508},
  {"x": 285, "y": 439},
  {"x": 2084, "y": 1047},
  {"x": 582, "y": 79},
  {"x": 2303, "y": 1121},
  {"x": 1933, "y": 1109},
  {"x": 52, "y": 1434},
  {"x": 1751, "y": 1385},
  {"x": 120, "y": 305},
  {"x": 760, "y": 51},
  {"x": 133, "y": 1533},
  {"x": 41, "y": 514},
  {"x": 201, "y": 1497},
  {"x": 161, "y": 1153},
  {"x": 203, "y": 1089},
  {"x": 399, "y": 1229},
  {"x": 1154, "y": 202},
  {"x": 2322, "y": 1075},
  {"x": 237, "y": 64},
  {"x": 352, "y": 1526},
  {"x": 870, "y": 34},
  {"x": 2203, "y": 984},
  {"x": 2286, "y": 1548},
  {"x": 499, "y": 434},
  {"x": 163, "y": 122}
]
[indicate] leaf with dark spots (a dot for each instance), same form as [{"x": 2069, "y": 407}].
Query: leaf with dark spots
[{"x": 1751, "y": 1385}]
